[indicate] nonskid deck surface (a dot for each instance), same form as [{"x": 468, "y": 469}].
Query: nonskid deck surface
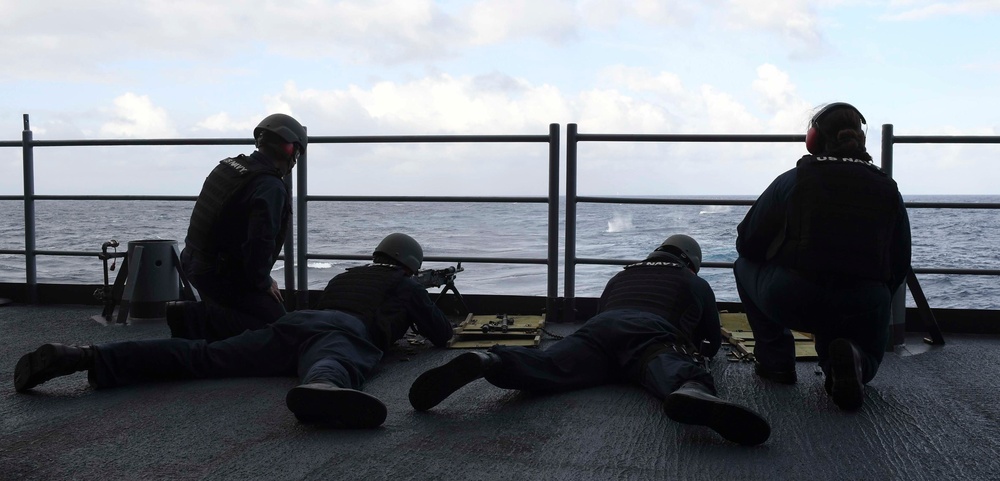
[{"x": 929, "y": 414}]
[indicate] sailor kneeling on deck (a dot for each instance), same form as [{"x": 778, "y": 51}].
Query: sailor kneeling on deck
[
  {"x": 237, "y": 230},
  {"x": 657, "y": 326},
  {"x": 822, "y": 250},
  {"x": 332, "y": 349}
]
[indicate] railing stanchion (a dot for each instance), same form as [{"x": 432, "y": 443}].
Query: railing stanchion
[
  {"x": 302, "y": 228},
  {"x": 897, "y": 307},
  {"x": 30, "y": 256},
  {"x": 552, "y": 273},
  {"x": 569, "y": 291}
]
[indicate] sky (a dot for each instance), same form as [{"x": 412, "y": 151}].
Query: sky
[{"x": 155, "y": 69}]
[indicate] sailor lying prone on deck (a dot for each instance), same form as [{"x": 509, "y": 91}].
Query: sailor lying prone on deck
[{"x": 332, "y": 349}]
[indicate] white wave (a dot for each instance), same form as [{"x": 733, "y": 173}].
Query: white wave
[
  {"x": 312, "y": 265},
  {"x": 620, "y": 223},
  {"x": 716, "y": 209}
]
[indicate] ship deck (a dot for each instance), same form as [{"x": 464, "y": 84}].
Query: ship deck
[{"x": 930, "y": 414}]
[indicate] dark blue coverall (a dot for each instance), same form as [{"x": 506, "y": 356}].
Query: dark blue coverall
[
  {"x": 325, "y": 346},
  {"x": 237, "y": 297},
  {"x": 778, "y": 298},
  {"x": 625, "y": 342}
]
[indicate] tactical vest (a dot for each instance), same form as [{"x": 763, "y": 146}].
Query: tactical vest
[
  {"x": 841, "y": 218},
  {"x": 659, "y": 287},
  {"x": 365, "y": 293},
  {"x": 225, "y": 181}
]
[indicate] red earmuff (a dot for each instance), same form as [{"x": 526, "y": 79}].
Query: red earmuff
[
  {"x": 814, "y": 138},
  {"x": 814, "y": 143}
]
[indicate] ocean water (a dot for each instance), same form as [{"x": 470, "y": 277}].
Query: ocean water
[{"x": 942, "y": 238}]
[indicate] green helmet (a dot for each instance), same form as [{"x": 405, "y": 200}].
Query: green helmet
[
  {"x": 286, "y": 127},
  {"x": 403, "y": 248},
  {"x": 684, "y": 247}
]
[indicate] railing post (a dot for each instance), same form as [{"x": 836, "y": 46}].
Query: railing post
[
  {"x": 552, "y": 276},
  {"x": 30, "y": 258},
  {"x": 302, "y": 228},
  {"x": 887, "y": 142},
  {"x": 897, "y": 309},
  {"x": 569, "y": 290},
  {"x": 289, "y": 255}
]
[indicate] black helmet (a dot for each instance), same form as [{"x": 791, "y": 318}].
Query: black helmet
[
  {"x": 286, "y": 127},
  {"x": 684, "y": 247},
  {"x": 403, "y": 248}
]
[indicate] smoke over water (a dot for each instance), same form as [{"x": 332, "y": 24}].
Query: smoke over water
[{"x": 620, "y": 223}]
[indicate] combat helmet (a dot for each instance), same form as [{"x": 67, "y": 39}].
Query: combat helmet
[
  {"x": 684, "y": 247},
  {"x": 403, "y": 248},
  {"x": 286, "y": 127}
]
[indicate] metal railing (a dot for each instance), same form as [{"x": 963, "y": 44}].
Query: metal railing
[
  {"x": 298, "y": 249},
  {"x": 552, "y": 199},
  {"x": 573, "y": 138}
]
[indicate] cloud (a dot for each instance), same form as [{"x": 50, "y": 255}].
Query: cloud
[
  {"x": 917, "y": 10},
  {"x": 103, "y": 41},
  {"x": 92, "y": 41},
  {"x": 135, "y": 116},
  {"x": 779, "y": 99},
  {"x": 793, "y": 20},
  {"x": 494, "y": 21}
]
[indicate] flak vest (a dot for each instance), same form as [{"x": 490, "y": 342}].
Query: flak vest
[
  {"x": 660, "y": 287},
  {"x": 840, "y": 222},
  {"x": 364, "y": 292},
  {"x": 225, "y": 181}
]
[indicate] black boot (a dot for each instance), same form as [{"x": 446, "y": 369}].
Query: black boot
[
  {"x": 435, "y": 385},
  {"x": 844, "y": 379},
  {"x": 326, "y": 404},
  {"x": 694, "y": 403},
  {"x": 176, "y": 319},
  {"x": 51, "y": 361}
]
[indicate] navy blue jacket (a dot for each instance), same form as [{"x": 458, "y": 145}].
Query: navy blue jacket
[{"x": 765, "y": 221}]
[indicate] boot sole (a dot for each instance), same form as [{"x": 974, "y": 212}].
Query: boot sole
[
  {"x": 35, "y": 368},
  {"x": 437, "y": 384},
  {"x": 344, "y": 408},
  {"x": 733, "y": 422},
  {"x": 847, "y": 390}
]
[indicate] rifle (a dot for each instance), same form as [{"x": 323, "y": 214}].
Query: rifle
[
  {"x": 431, "y": 278},
  {"x": 438, "y": 277}
]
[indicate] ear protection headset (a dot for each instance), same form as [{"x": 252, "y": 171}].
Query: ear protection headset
[
  {"x": 290, "y": 149},
  {"x": 814, "y": 138}
]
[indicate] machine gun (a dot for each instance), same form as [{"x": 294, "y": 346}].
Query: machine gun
[
  {"x": 438, "y": 277},
  {"x": 431, "y": 278}
]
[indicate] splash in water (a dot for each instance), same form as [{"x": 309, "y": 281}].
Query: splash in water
[
  {"x": 620, "y": 223},
  {"x": 715, "y": 209}
]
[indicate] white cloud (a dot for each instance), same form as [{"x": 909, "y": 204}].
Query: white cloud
[
  {"x": 135, "y": 116},
  {"x": 794, "y": 20},
  {"x": 493, "y": 21},
  {"x": 916, "y": 10},
  {"x": 780, "y": 100}
]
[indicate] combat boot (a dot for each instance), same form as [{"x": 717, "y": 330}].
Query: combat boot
[
  {"x": 437, "y": 384},
  {"x": 693, "y": 403},
  {"x": 51, "y": 361},
  {"x": 844, "y": 379},
  {"x": 326, "y": 404}
]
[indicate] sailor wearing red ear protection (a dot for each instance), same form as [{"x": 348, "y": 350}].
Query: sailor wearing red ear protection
[{"x": 822, "y": 250}]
